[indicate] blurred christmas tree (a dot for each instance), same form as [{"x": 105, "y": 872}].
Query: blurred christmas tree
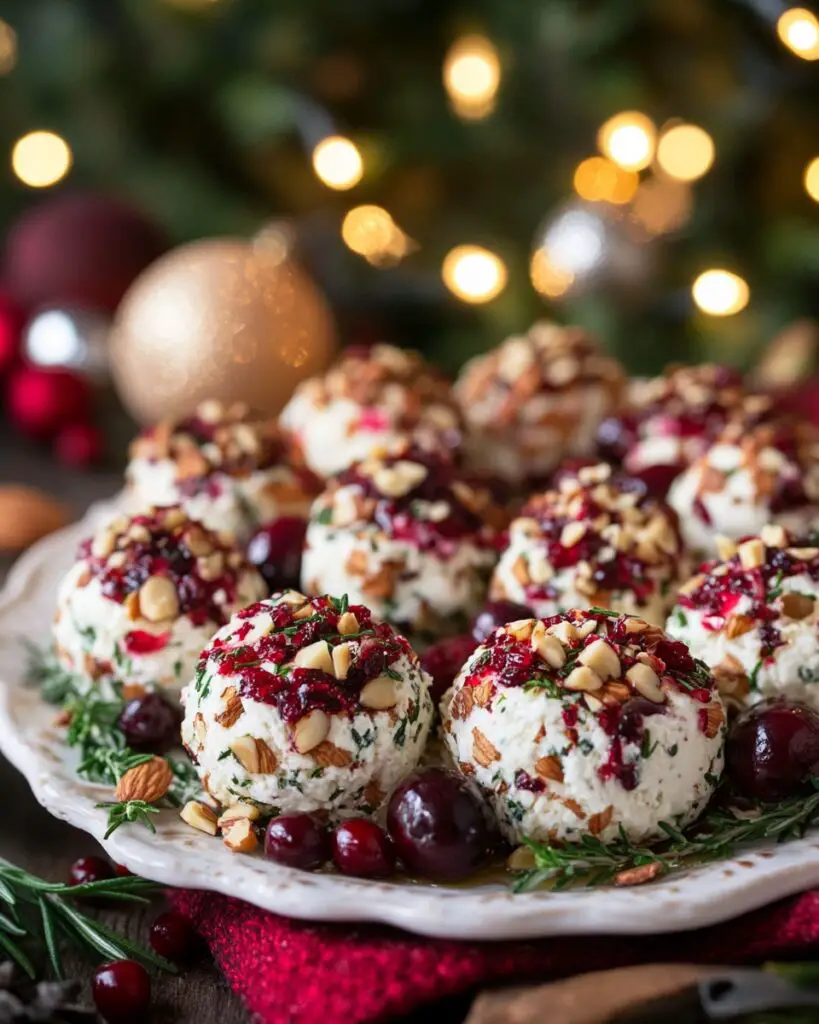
[{"x": 480, "y": 180}]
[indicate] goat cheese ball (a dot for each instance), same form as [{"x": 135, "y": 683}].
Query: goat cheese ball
[
  {"x": 536, "y": 399},
  {"x": 586, "y": 724},
  {"x": 306, "y": 704},
  {"x": 747, "y": 478},
  {"x": 145, "y": 596},
  {"x": 405, "y": 534},
  {"x": 224, "y": 466},
  {"x": 753, "y": 617},
  {"x": 595, "y": 540},
  {"x": 368, "y": 400},
  {"x": 667, "y": 422}
]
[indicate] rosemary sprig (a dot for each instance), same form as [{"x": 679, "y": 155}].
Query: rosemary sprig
[
  {"x": 55, "y": 683},
  {"x": 39, "y": 918},
  {"x": 590, "y": 862},
  {"x": 122, "y": 811}
]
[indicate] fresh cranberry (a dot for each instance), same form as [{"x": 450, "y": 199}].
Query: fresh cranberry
[
  {"x": 297, "y": 841},
  {"x": 497, "y": 613},
  {"x": 175, "y": 938},
  {"x": 773, "y": 750},
  {"x": 438, "y": 826},
  {"x": 90, "y": 869},
  {"x": 275, "y": 550},
  {"x": 363, "y": 849},
  {"x": 150, "y": 724},
  {"x": 122, "y": 991},
  {"x": 122, "y": 871},
  {"x": 445, "y": 660}
]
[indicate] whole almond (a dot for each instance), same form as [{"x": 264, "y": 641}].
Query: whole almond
[
  {"x": 26, "y": 515},
  {"x": 148, "y": 781}
]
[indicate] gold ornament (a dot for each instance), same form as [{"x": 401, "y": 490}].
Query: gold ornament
[{"x": 218, "y": 318}]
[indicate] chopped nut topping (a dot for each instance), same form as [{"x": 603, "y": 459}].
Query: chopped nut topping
[
  {"x": 310, "y": 731},
  {"x": 752, "y": 553},
  {"x": 583, "y": 678},
  {"x": 199, "y": 816}
]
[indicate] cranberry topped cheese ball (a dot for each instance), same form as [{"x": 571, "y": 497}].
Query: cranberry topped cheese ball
[
  {"x": 306, "y": 704},
  {"x": 405, "y": 534},
  {"x": 145, "y": 596},
  {"x": 535, "y": 400},
  {"x": 584, "y": 724},
  {"x": 226, "y": 467},
  {"x": 748, "y": 477},
  {"x": 753, "y": 617},
  {"x": 669, "y": 421},
  {"x": 596, "y": 540},
  {"x": 369, "y": 399}
]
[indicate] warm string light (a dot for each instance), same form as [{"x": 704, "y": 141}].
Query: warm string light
[
  {"x": 798, "y": 28},
  {"x": 337, "y": 162},
  {"x": 628, "y": 139},
  {"x": 662, "y": 205},
  {"x": 685, "y": 152},
  {"x": 812, "y": 179},
  {"x": 8, "y": 47},
  {"x": 40, "y": 159},
  {"x": 599, "y": 180},
  {"x": 472, "y": 74},
  {"x": 720, "y": 293},
  {"x": 549, "y": 279},
  {"x": 473, "y": 273},
  {"x": 372, "y": 233}
]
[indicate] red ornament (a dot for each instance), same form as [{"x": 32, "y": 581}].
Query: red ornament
[
  {"x": 78, "y": 444},
  {"x": 39, "y": 402},
  {"x": 79, "y": 250},
  {"x": 12, "y": 320}
]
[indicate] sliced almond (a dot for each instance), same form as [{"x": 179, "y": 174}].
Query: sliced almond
[
  {"x": 158, "y": 601},
  {"x": 752, "y": 553},
  {"x": 316, "y": 656},
  {"x": 583, "y": 678},
  {"x": 601, "y": 657},
  {"x": 240, "y": 836},
  {"x": 347, "y": 623},
  {"x": 342, "y": 658},
  {"x": 646, "y": 682},
  {"x": 379, "y": 694},
  {"x": 797, "y": 606},
  {"x": 311, "y": 730},
  {"x": 199, "y": 816}
]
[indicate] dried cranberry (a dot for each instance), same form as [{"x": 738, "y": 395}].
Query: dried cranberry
[
  {"x": 438, "y": 826},
  {"x": 90, "y": 869},
  {"x": 122, "y": 991},
  {"x": 632, "y": 714},
  {"x": 175, "y": 938},
  {"x": 297, "y": 841},
  {"x": 495, "y": 614},
  {"x": 362, "y": 849},
  {"x": 150, "y": 724},
  {"x": 445, "y": 660},
  {"x": 773, "y": 750},
  {"x": 275, "y": 549}
]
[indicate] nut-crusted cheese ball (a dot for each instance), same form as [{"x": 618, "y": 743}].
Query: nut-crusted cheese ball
[
  {"x": 535, "y": 400},
  {"x": 224, "y": 466},
  {"x": 145, "y": 596},
  {"x": 668, "y": 421},
  {"x": 583, "y": 724},
  {"x": 368, "y": 400},
  {"x": 406, "y": 535},
  {"x": 306, "y": 704},
  {"x": 753, "y": 617},
  {"x": 749, "y": 477},
  {"x": 597, "y": 540}
]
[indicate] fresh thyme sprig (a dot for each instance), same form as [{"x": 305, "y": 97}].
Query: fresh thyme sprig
[
  {"x": 39, "y": 918},
  {"x": 590, "y": 862}
]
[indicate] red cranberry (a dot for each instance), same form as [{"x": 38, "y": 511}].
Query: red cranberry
[
  {"x": 497, "y": 613},
  {"x": 773, "y": 750},
  {"x": 658, "y": 478},
  {"x": 150, "y": 724},
  {"x": 122, "y": 871},
  {"x": 445, "y": 660},
  {"x": 363, "y": 849},
  {"x": 275, "y": 550},
  {"x": 122, "y": 991},
  {"x": 175, "y": 938},
  {"x": 297, "y": 841},
  {"x": 438, "y": 826},
  {"x": 90, "y": 869}
]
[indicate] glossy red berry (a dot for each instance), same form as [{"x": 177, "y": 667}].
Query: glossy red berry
[
  {"x": 437, "y": 826},
  {"x": 445, "y": 660},
  {"x": 297, "y": 841},
  {"x": 497, "y": 613},
  {"x": 150, "y": 723},
  {"x": 122, "y": 991},
  {"x": 175, "y": 938},
  {"x": 90, "y": 869},
  {"x": 363, "y": 849},
  {"x": 275, "y": 550}
]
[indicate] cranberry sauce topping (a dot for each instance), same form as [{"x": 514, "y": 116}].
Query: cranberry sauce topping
[
  {"x": 164, "y": 542},
  {"x": 419, "y": 496},
  {"x": 265, "y": 666}
]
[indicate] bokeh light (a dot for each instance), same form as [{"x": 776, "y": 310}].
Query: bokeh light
[
  {"x": 685, "y": 152},
  {"x": 40, "y": 159},
  {"x": 549, "y": 279},
  {"x": 472, "y": 75},
  {"x": 798, "y": 28},
  {"x": 720, "y": 293},
  {"x": 628, "y": 139},
  {"x": 812, "y": 179},
  {"x": 8, "y": 47},
  {"x": 473, "y": 273},
  {"x": 599, "y": 180},
  {"x": 662, "y": 205},
  {"x": 337, "y": 162},
  {"x": 371, "y": 232}
]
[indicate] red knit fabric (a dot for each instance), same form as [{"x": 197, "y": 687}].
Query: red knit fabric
[{"x": 289, "y": 972}]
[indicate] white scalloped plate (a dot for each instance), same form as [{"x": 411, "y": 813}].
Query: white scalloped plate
[{"x": 177, "y": 856}]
